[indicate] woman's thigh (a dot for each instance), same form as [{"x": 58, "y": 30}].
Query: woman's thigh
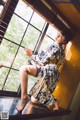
[{"x": 30, "y": 69}]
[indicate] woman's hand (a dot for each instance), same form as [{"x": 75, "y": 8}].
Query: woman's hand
[{"x": 28, "y": 52}]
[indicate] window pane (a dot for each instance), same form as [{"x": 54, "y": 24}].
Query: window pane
[
  {"x": 7, "y": 52},
  {"x": 16, "y": 29},
  {"x": 31, "y": 37},
  {"x": 21, "y": 59},
  {"x": 31, "y": 82},
  {"x": 37, "y": 21},
  {"x": 3, "y": 73},
  {"x": 23, "y": 11},
  {"x": 13, "y": 81},
  {"x": 46, "y": 43},
  {"x": 52, "y": 32}
]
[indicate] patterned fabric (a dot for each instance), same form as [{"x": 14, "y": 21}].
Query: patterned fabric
[
  {"x": 47, "y": 61},
  {"x": 43, "y": 89},
  {"x": 54, "y": 54}
]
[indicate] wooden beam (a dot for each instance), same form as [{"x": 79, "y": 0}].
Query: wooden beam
[
  {"x": 6, "y": 15},
  {"x": 76, "y": 4},
  {"x": 43, "y": 10},
  {"x": 54, "y": 8}
]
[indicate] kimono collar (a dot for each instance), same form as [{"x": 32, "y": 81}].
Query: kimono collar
[{"x": 57, "y": 45}]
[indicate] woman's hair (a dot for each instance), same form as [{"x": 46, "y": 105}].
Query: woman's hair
[{"x": 68, "y": 34}]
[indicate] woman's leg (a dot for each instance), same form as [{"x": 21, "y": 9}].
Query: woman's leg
[{"x": 23, "y": 74}]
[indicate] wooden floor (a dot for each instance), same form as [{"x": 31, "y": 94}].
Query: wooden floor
[{"x": 9, "y": 104}]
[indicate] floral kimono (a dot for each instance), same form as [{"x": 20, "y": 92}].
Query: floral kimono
[{"x": 47, "y": 63}]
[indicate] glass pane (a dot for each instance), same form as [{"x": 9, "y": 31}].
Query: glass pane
[
  {"x": 13, "y": 81},
  {"x": 31, "y": 37},
  {"x": 46, "y": 43},
  {"x": 3, "y": 73},
  {"x": 52, "y": 32},
  {"x": 23, "y": 10},
  {"x": 21, "y": 59},
  {"x": 31, "y": 82},
  {"x": 16, "y": 29},
  {"x": 37, "y": 21},
  {"x": 7, "y": 52}
]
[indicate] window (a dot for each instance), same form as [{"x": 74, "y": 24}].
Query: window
[
  {"x": 24, "y": 30},
  {"x": 49, "y": 37}
]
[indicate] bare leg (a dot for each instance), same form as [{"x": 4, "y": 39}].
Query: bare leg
[{"x": 23, "y": 73}]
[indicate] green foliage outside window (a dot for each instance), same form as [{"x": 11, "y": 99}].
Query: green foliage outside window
[
  {"x": 20, "y": 34},
  {"x": 12, "y": 55}
]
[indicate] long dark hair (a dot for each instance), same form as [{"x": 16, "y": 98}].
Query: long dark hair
[{"x": 68, "y": 35}]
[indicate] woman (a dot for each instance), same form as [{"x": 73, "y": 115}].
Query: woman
[{"x": 44, "y": 65}]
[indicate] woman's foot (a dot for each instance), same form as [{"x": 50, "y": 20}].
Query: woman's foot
[
  {"x": 56, "y": 104},
  {"x": 22, "y": 104}
]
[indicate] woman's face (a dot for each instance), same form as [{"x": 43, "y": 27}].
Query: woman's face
[{"x": 60, "y": 38}]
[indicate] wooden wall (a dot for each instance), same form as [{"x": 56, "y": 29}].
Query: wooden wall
[{"x": 70, "y": 75}]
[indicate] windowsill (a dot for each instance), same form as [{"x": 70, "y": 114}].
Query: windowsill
[
  {"x": 40, "y": 115},
  {"x": 10, "y": 103}
]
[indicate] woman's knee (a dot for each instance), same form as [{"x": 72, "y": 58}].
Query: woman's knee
[
  {"x": 30, "y": 69},
  {"x": 23, "y": 68}
]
